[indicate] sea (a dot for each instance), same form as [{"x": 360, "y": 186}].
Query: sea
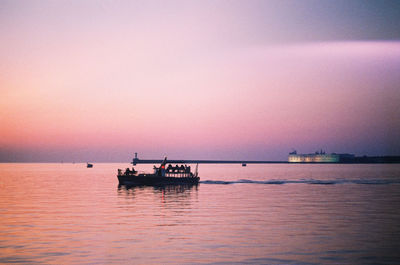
[{"x": 64, "y": 213}]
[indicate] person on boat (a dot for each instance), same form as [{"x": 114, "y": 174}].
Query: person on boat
[{"x": 187, "y": 169}]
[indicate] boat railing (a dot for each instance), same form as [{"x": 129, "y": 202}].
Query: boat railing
[{"x": 179, "y": 174}]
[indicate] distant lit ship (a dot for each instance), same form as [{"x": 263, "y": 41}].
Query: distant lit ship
[{"x": 318, "y": 157}]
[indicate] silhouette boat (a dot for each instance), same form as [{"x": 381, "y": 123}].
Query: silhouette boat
[
  {"x": 88, "y": 165},
  {"x": 162, "y": 175}
]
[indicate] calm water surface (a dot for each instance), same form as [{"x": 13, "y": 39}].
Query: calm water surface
[{"x": 259, "y": 214}]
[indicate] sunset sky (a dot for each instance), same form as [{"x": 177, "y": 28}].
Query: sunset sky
[{"x": 100, "y": 80}]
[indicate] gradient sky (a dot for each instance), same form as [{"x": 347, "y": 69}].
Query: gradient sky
[{"x": 100, "y": 80}]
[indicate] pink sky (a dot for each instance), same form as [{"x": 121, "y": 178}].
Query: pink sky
[{"x": 93, "y": 86}]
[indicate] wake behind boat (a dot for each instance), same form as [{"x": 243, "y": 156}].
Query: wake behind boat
[{"x": 162, "y": 175}]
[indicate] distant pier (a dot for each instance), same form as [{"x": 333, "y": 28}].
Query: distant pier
[
  {"x": 172, "y": 161},
  {"x": 352, "y": 160}
]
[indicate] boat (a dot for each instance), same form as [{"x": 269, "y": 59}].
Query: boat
[
  {"x": 88, "y": 165},
  {"x": 162, "y": 175},
  {"x": 317, "y": 157}
]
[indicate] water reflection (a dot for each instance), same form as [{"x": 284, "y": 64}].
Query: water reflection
[
  {"x": 165, "y": 190},
  {"x": 248, "y": 221}
]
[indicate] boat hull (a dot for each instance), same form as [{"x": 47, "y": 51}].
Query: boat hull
[{"x": 153, "y": 180}]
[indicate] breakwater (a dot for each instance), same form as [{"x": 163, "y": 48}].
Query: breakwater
[{"x": 355, "y": 160}]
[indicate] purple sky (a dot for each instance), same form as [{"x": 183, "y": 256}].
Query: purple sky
[{"x": 100, "y": 80}]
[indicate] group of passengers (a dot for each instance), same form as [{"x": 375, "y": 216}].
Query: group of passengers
[
  {"x": 178, "y": 169},
  {"x": 129, "y": 172}
]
